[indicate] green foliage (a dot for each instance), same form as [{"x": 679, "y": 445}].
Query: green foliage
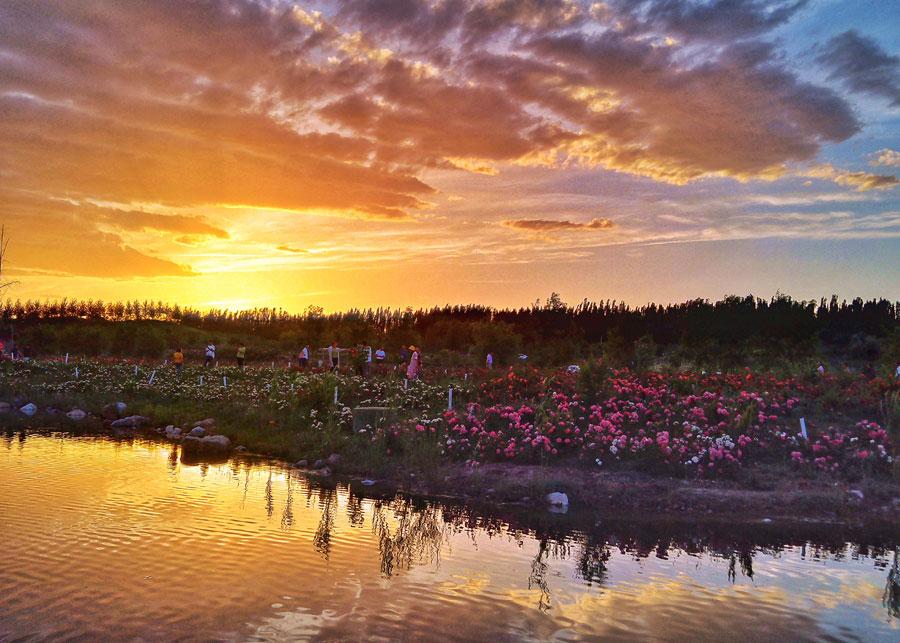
[
  {"x": 615, "y": 349},
  {"x": 644, "y": 353},
  {"x": 498, "y": 338}
]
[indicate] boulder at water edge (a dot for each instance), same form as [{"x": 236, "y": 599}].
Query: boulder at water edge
[
  {"x": 209, "y": 444},
  {"x": 334, "y": 460},
  {"x": 76, "y": 414},
  {"x": 29, "y": 409},
  {"x": 208, "y": 423},
  {"x": 114, "y": 411},
  {"x": 197, "y": 432},
  {"x": 131, "y": 422},
  {"x": 173, "y": 432},
  {"x": 215, "y": 443}
]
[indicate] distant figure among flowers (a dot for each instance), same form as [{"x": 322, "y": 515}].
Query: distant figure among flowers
[
  {"x": 241, "y": 355},
  {"x": 303, "y": 359},
  {"x": 210, "y": 354},
  {"x": 821, "y": 369},
  {"x": 333, "y": 353},
  {"x": 178, "y": 361},
  {"x": 489, "y": 361},
  {"x": 412, "y": 371}
]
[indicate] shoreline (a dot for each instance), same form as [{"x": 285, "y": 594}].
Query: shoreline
[{"x": 778, "y": 499}]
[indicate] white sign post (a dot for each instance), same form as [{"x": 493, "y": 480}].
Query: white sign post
[{"x": 803, "y": 429}]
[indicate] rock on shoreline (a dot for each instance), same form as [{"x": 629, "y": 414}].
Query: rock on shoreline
[{"x": 207, "y": 444}]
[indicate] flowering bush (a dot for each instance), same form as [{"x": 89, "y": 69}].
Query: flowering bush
[{"x": 723, "y": 423}]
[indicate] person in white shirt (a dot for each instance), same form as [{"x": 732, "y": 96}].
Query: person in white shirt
[
  {"x": 210, "y": 354},
  {"x": 304, "y": 357},
  {"x": 333, "y": 355},
  {"x": 489, "y": 361}
]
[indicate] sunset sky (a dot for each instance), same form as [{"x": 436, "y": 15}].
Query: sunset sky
[{"x": 241, "y": 153}]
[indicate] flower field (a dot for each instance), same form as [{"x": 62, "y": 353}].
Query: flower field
[{"x": 682, "y": 424}]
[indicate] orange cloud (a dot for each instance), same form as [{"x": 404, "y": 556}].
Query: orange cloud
[{"x": 556, "y": 225}]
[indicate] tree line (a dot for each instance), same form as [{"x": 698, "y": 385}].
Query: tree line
[{"x": 726, "y": 332}]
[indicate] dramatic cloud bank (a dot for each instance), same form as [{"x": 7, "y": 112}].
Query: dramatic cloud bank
[{"x": 144, "y": 128}]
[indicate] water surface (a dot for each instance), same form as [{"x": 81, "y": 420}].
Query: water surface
[{"x": 118, "y": 539}]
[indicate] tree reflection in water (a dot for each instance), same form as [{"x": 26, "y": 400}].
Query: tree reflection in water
[
  {"x": 891, "y": 598},
  {"x": 745, "y": 557},
  {"x": 287, "y": 516},
  {"x": 538, "y": 577},
  {"x": 413, "y": 532},
  {"x": 322, "y": 537},
  {"x": 418, "y": 535},
  {"x": 356, "y": 513},
  {"x": 592, "y": 561},
  {"x": 270, "y": 503}
]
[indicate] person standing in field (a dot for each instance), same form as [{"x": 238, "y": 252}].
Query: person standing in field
[
  {"x": 241, "y": 355},
  {"x": 380, "y": 356},
  {"x": 333, "y": 353},
  {"x": 303, "y": 359},
  {"x": 412, "y": 371},
  {"x": 404, "y": 359},
  {"x": 489, "y": 361},
  {"x": 821, "y": 369},
  {"x": 210, "y": 354},
  {"x": 178, "y": 361}
]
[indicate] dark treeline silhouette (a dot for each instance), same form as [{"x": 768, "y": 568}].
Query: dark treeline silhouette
[{"x": 726, "y": 332}]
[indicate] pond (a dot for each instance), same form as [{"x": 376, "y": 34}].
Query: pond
[{"x": 109, "y": 538}]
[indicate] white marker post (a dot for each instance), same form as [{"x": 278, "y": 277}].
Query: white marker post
[
  {"x": 67, "y": 358},
  {"x": 152, "y": 377},
  {"x": 450, "y": 399},
  {"x": 405, "y": 383},
  {"x": 273, "y": 365},
  {"x": 335, "y": 395},
  {"x": 803, "y": 429},
  {"x": 135, "y": 370},
  {"x": 76, "y": 372},
  {"x": 224, "y": 381},
  {"x": 201, "y": 380}
]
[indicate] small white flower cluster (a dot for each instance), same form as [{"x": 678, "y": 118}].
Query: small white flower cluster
[{"x": 725, "y": 441}]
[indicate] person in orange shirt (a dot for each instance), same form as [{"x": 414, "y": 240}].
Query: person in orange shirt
[{"x": 178, "y": 360}]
